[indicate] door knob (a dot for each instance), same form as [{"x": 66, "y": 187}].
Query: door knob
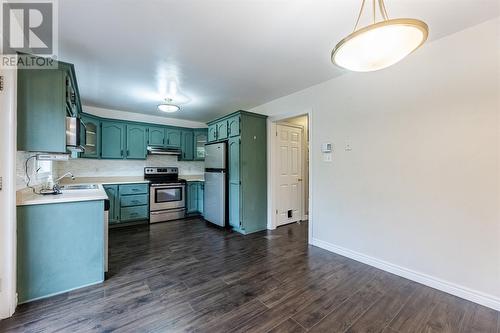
[{"x": 300, "y": 179}]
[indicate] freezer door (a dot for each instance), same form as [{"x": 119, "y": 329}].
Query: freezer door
[
  {"x": 214, "y": 198},
  {"x": 215, "y": 156}
]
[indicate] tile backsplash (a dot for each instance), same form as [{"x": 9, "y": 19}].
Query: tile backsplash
[
  {"x": 36, "y": 178},
  {"x": 83, "y": 167}
]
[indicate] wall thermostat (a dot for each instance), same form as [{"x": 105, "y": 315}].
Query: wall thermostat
[{"x": 326, "y": 148}]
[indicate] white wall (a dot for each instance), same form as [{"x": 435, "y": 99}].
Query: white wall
[
  {"x": 419, "y": 194},
  {"x": 131, "y": 116},
  {"x": 8, "y": 127}
]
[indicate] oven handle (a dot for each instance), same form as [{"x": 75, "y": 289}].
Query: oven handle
[
  {"x": 167, "y": 186},
  {"x": 167, "y": 211}
]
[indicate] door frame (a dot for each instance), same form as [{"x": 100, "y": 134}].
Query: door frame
[
  {"x": 8, "y": 149},
  {"x": 271, "y": 166}
]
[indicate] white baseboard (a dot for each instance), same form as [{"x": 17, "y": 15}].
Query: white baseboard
[{"x": 433, "y": 282}]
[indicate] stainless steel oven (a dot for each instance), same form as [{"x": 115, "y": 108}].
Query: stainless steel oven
[{"x": 167, "y": 195}]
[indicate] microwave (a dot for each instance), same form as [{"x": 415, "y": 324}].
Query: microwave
[{"x": 75, "y": 131}]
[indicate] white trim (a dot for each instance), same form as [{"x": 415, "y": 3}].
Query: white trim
[
  {"x": 271, "y": 166},
  {"x": 62, "y": 292},
  {"x": 8, "y": 297},
  {"x": 428, "y": 280}
]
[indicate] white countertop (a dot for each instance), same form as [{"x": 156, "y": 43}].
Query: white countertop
[
  {"x": 26, "y": 196},
  {"x": 193, "y": 178}
]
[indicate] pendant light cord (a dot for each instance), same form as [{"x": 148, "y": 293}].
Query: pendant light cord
[
  {"x": 360, "y": 13},
  {"x": 383, "y": 12}
]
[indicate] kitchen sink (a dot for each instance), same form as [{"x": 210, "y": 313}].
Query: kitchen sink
[{"x": 79, "y": 187}]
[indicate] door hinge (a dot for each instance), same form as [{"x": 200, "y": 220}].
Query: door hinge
[{"x": 1, "y": 82}]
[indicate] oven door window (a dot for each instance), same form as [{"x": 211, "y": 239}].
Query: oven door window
[{"x": 168, "y": 194}]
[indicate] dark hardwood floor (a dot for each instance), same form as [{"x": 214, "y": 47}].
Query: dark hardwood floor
[{"x": 188, "y": 276}]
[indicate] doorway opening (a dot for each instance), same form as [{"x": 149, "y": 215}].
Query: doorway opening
[{"x": 289, "y": 170}]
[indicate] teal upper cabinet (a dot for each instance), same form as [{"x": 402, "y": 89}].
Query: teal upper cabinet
[
  {"x": 247, "y": 165},
  {"x": 200, "y": 139},
  {"x": 92, "y": 136},
  {"x": 187, "y": 146},
  {"x": 44, "y": 98},
  {"x": 41, "y": 110},
  {"x": 233, "y": 125},
  {"x": 222, "y": 131},
  {"x": 136, "y": 142},
  {"x": 156, "y": 136},
  {"x": 113, "y": 139},
  {"x": 173, "y": 137},
  {"x": 212, "y": 132}
]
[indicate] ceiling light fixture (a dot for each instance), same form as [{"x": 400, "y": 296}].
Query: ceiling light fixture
[
  {"x": 381, "y": 44},
  {"x": 168, "y": 106}
]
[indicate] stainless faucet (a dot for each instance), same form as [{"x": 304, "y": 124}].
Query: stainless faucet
[{"x": 56, "y": 187}]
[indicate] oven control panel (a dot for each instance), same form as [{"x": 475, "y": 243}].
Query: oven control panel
[{"x": 160, "y": 170}]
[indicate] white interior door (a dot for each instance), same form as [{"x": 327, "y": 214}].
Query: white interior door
[{"x": 289, "y": 174}]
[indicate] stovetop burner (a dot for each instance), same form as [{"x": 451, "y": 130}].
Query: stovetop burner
[{"x": 162, "y": 175}]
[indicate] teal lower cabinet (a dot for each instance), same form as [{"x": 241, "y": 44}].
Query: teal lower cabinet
[
  {"x": 194, "y": 198},
  {"x": 60, "y": 247},
  {"x": 113, "y": 214},
  {"x": 128, "y": 203},
  {"x": 200, "y": 192}
]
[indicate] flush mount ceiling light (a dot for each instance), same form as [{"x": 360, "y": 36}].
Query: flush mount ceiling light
[
  {"x": 168, "y": 106},
  {"x": 381, "y": 44}
]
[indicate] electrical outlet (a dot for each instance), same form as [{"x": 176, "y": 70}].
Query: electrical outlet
[{"x": 52, "y": 157}]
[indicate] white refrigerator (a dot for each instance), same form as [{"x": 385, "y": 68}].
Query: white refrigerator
[{"x": 215, "y": 194}]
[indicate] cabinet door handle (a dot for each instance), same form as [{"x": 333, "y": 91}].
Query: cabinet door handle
[
  {"x": 121, "y": 153},
  {"x": 127, "y": 152}
]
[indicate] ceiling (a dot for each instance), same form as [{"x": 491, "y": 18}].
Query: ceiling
[{"x": 224, "y": 55}]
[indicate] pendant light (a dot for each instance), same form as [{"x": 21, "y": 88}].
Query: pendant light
[
  {"x": 381, "y": 44},
  {"x": 168, "y": 106}
]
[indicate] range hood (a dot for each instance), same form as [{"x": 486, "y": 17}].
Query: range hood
[{"x": 163, "y": 151}]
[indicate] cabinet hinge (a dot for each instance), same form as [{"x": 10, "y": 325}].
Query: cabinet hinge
[{"x": 1, "y": 82}]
